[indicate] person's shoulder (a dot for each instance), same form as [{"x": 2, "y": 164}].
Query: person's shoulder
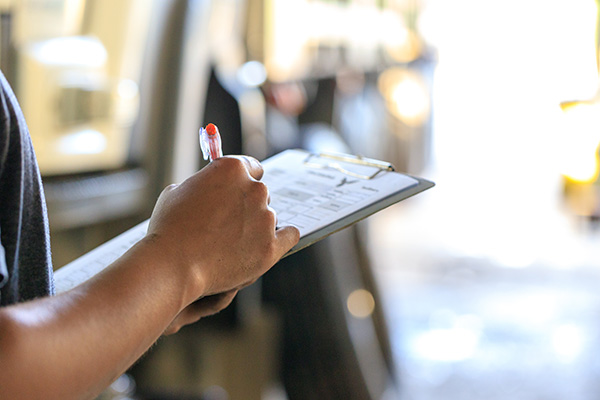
[
  {"x": 8, "y": 99},
  {"x": 11, "y": 119},
  {"x": 4, "y": 116}
]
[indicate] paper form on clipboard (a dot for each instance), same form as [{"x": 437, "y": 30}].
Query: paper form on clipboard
[
  {"x": 323, "y": 193},
  {"x": 320, "y": 194}
]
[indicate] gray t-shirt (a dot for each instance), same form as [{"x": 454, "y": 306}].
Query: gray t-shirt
[{"x": 25, "y": 259}]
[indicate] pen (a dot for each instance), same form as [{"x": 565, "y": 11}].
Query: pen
[{"x": 210, "y": 142}]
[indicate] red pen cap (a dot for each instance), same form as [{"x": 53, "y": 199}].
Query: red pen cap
[{"x": 211, "y": 129}]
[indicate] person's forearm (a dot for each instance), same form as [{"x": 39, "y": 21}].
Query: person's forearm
[
  {"x": 73, "y": 345},
  {"x": 209, "y": 236}
]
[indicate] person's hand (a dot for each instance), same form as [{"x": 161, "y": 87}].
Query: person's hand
[{"x": 217, "y": 225}]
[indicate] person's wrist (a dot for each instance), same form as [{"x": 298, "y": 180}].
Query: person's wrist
[{"x": 166, "y": 255}]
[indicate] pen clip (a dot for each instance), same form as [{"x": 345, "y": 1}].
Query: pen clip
[
  {"x": 381, "y": 166},
  {"x": 204, "y": 146}
]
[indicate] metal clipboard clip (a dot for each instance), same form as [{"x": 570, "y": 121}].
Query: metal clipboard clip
[{"x": 335, "y": 159}]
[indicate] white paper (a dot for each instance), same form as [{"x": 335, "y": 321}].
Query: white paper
[
  {"x": 91, "y": 263},
  {"x": 312, "y": 198}
]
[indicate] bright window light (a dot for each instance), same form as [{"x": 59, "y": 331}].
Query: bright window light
[
  {"x": 71, "y": 50},
  {"x": 87, "y": 141}
]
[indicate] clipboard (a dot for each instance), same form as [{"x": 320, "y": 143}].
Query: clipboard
[
  {"x": 378, "y": 179},
  {"x": 319, "y": 193}
]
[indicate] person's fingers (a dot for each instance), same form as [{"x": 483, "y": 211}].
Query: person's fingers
[
  {"x": 253, "y": 166},
  {"x": 203, "y": 307},
  {"x": 210, "y": 305},
  {"x": 287, "y": 236}
]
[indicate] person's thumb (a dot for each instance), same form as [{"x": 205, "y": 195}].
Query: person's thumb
[{"x": 287, "y": 236}]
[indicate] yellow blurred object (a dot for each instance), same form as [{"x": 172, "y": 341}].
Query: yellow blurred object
[
  {"x": 361, "y": 303},
  {"x": 580, "y": 163},
  {"x": 580, "y": 154},
  {"x": 406, "y": 50},
  {"x": 406, "y": 95},
  {"x": 581, "y": 197}
]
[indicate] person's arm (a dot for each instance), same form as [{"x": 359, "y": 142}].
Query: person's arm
[{"x": 208, "y": 237}]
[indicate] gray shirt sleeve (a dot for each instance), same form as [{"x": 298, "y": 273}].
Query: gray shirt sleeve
[{"x": 25, "y": 265}]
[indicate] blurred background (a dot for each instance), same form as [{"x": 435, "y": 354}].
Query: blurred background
[{"x": 484, "y": 287}]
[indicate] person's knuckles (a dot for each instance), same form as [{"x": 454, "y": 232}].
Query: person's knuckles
[
  {"x": 170, "y": 187},
  {"x": 259, "y": 192},
  {"x": 253, "y": 166},
  {"x": 270, "y": 219},
  {"x": 239, "y": 166}
]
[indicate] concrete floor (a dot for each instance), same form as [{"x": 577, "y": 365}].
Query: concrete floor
[{"x": 470, "y": 328}]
